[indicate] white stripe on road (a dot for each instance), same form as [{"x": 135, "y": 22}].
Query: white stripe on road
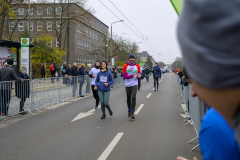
[
  {"x": 149, "y": 95},
  {"x": 110, "y": 147},
  {"x": 139, "y": 108}
]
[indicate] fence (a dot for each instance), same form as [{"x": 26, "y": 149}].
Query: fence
[
  {"x": 30, "y": 95},
  {"x": 193, "y": 106}
]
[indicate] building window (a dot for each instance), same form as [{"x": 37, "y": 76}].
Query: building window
[
  {"x": 59, "y": 10},
  {"x": 11, "y": 26},
  {"x": 49, "y": 43},
  {"x": 31, "y": 26},
  {"x": 49, "y": 10},
  {"x": 31, "y": 11},
  {"x": 49, "y": 26},
  {"x": 21, "y": 11},
  {"x": 20, "y": 26},
  {"x": 57, "y": 43},
  {"x": 58, "y": 25},
  {"x": 39, "y": 11},
  {"x": 39, "y": 26},
  {"x": 81, "y": 29},
  {"x": 85, "y": 45}
]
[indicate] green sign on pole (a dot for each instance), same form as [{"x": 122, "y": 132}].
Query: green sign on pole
[
  {"x": 25, "y": 53},
  {"x": 177, "y": 5}
]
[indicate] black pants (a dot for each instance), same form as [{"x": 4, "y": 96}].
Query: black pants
[
  {"x": 6, "y": 97},
  {"x": 52, "y": 75},
  {"x": 131, "y": 98},
  {"x": 23, "y": 99},
  {"x": 139, "y": 83},
  {"x": 155, "y": 81},
  {"x": 95, "y": 95}
]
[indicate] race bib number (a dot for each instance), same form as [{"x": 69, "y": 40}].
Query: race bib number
[
  {"x": 103, "y": 79},
  {"x": 130, "y": 72}
]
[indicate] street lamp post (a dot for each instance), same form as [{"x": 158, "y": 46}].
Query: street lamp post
[{"x": 111, "y": 36}]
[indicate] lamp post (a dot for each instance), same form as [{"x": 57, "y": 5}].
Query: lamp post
[{"x": 111, "y": 36}]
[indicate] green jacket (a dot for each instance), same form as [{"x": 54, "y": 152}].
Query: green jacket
[{"x": 58, "y": 67}]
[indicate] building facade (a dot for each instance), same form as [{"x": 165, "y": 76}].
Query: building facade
[
  {"x": 143, "y": 56},
  {"x": 74, "y": 29}
]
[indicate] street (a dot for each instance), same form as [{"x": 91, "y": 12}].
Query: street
[{"x": 76, "y": 132}]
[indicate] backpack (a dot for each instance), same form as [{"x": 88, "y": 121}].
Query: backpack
[{"x": 52, "y": 67}]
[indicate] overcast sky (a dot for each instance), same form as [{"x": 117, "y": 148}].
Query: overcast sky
[{"x": 155, "y": 19}]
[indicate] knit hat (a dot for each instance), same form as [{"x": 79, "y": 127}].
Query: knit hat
[
  {"x": 10, "y": 61},
  {"x": 208, "y": 35},
  {"x": 131, "y": 56},
  {"x": 24, "y": 69}
]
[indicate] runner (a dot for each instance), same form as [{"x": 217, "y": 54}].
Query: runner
[
  {"x": 139, "y": 80},
  {"x": 131, "y": 73},
  {"x": 93, "y": 74},
  {"x": 103, "y": 81},
  {"x": 147, "y": 72},
  {"x": 156, "y": 71}
]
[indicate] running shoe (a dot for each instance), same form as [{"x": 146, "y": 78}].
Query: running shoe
[
  {"x": 129, "y": 114},
  {"x": 154, "y": 89},
  {"x": 96, "y": 107},
  {"x": 111, "y": 113},
  {"x": 132, "y": 116},
  {"x": 103, "y": 117}
]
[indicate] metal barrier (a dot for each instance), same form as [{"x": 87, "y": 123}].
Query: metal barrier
[
  {"x": 40, "y": 93},
  {"x": 193, "y": 106}
]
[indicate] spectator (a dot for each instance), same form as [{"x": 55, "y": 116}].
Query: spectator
[
  {"x": 58, "y": 68},
  {"x": 7, "y": 75},
  {"x": 74, "y": 78},
  {"x": 53, "y": 70},
  {"x": 43, "y": 73},
  {"x": 22, "y": 89},
  {"x": 8, "y": 57},
  {"x": 64, "y": 70},
  {"x": 81, "y": 78},
  {"x": 69, "y": 73},
  {"x": 213, "y": 51}
]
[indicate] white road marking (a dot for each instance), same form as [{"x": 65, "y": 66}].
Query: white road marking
[
  {"x": 149, "y": 95},
  {"x": 110, "y": 147},
  {"x": 81, "y": 115},
  {"x": 92, "y": 110},
  {"x": 139, "y": 108}
]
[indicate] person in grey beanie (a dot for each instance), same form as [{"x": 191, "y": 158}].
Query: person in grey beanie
[
  {"x": 208, "y": 34},
  {"x": 22, "y": 89}
]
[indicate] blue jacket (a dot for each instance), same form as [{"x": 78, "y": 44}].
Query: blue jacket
[
  {"x": 81, "y": 71},
  {"x": 69, "y": 71},
  {"x": 104, "y": 77},
  {"x": 156, "y": 70}
]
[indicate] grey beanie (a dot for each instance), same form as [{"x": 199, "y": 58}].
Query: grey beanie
[
  {"x": 208, "y": 33},
  {"x": 24, "y": 69}
]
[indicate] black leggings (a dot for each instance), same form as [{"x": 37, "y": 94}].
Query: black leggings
[{"x": 95, "y": 95}]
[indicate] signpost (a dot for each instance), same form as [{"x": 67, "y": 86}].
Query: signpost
[{"x": 25, "y": 53}]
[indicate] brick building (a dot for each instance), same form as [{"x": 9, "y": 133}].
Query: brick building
[{"x": 85, "y": 34}]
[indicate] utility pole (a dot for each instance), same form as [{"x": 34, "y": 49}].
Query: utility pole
[{"x": 29, "y": 35}]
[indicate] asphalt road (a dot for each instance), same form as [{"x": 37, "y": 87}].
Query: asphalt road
[{"x": 158, "y": 132}]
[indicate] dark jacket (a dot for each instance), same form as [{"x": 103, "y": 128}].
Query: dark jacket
[
  {"x": 75, "y": 74},
  {"x": 146, "y": 71},
  {"x": 43, "y": 71},
  {"x": 81, "y": 71},
  {"x": 22, "y": 89},
  {"x": 64, "y": 68},
  {"x": 69, "y": 71},
  {"x": 106, "y": 74},
  {"x": 156, "y": 71},
  {"x": 7, "y": 74}
]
